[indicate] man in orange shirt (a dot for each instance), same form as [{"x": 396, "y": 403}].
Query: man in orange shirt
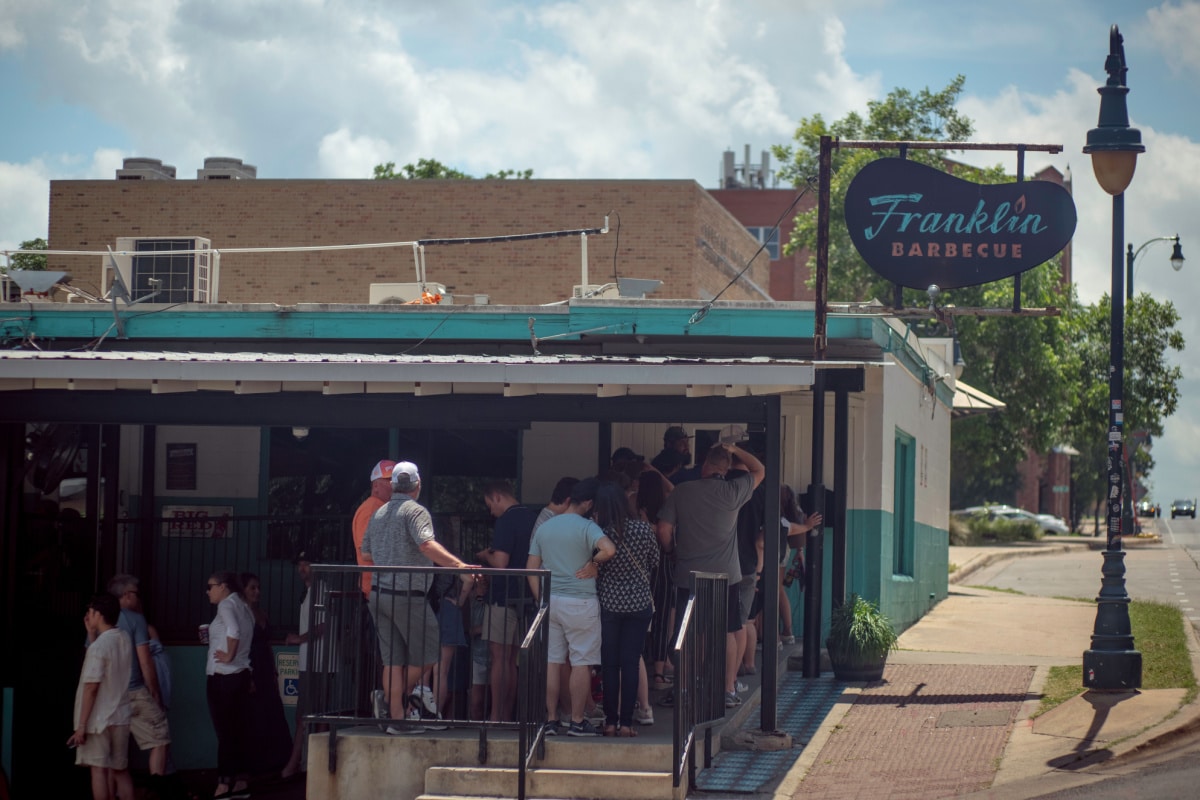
[{"x": 381, "y": 492}]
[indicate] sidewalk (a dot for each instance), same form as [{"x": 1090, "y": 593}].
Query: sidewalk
[{"x": 952, "y": 715}]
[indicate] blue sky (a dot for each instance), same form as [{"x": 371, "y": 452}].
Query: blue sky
[{"x": 621, "y": 89}]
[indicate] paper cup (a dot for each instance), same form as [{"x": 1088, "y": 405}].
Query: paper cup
[{"x": 203, "y": 634}]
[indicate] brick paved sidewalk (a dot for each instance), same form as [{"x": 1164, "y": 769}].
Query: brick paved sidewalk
[{"x": 924, "y": 731}]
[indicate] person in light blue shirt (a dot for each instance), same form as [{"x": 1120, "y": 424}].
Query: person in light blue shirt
[{"x": 571, "y": 547}]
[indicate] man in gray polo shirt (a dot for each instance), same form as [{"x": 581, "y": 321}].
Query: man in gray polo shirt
[
  {"x": 401, "y": 534},
  {"x": 699, "y": 522}
]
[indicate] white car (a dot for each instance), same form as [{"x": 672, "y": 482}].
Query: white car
[{"x": 1048, "y": 523}]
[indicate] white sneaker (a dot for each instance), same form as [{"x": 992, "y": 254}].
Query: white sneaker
[
  {"x": 644, "y": 716},
  {"x": 424, "y": 695},
  {"x": 741, "y": 687},
  {"x": 379, "y": 705},
  {"x": 423, "y": 707}
]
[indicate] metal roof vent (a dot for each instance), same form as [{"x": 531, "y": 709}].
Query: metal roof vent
[
  {"x": 145, "y": 169},
  {"x": 219, "y": 168}
]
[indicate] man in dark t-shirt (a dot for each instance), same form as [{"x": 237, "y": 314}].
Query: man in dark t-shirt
[
  {"x": 503, "y": 620},
  {"x": 698, "y": 522}
]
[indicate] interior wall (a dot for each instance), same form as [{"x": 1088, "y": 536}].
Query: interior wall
[{"x": 552, "y": 450}]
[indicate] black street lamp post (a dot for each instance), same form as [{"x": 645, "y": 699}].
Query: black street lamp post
[
  {"x": 1112, "y": 663},
  {"x": 1131, "y": 256}
]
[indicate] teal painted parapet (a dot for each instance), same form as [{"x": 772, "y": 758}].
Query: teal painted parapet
[{"x": 218, "y": 322}]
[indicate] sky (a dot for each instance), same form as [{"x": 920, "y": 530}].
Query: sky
[{"x": 621, "y": 89}]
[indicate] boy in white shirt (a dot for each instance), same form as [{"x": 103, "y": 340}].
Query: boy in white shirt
[{"x": 102, "y": 709}]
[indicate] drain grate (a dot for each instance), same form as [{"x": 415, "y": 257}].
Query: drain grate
[{"x": 973, "y": 719}]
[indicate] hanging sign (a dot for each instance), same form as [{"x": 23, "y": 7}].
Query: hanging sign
[{"x": 918, "y": 226}]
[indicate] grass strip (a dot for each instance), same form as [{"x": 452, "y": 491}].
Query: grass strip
[{"x": 1166, "y": 664}]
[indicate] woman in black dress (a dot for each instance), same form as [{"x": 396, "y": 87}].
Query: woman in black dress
[{"x": 273, "y": 739}]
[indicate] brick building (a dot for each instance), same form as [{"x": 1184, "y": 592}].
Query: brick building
[{"x": 669, "y": 230}]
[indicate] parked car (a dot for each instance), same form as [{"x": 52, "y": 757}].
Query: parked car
[
  {"x": 1183, "y": 508},
  {"x": 1047, "y": 523},
  {"x": 1053, "y": 524}
]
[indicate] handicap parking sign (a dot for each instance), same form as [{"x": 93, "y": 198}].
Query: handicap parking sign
[{"x": 288, "y": 667}]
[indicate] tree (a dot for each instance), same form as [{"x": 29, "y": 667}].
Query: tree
[
  {"x": 1151, "y": 388},
  {"x": 30, "y": 261},
  {"x": 901, "y": 116},
  {"x": 432, "y": 169},
  {"x": 1019, "y": 360}
]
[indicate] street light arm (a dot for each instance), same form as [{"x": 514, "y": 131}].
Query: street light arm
[
  {"x": 1138, "y": 252},
  {"x": 1131, "y": 257}
]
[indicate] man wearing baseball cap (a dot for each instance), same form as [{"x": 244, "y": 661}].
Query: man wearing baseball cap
[
  {"x": 381, "y": 492},
  {"x": 400, "y": 534}
]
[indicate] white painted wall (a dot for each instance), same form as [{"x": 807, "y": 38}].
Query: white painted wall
[
  {"x": 226, "y": 460},
  {"x": 552, "y": 450}
]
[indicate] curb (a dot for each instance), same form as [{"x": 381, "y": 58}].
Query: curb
[{"x": 973, "y": 566}]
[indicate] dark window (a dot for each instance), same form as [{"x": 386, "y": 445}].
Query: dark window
[{"x": 769, "y": 235}]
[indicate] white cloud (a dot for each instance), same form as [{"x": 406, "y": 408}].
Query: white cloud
[
  {"x": 25, "y": 190},
  {"x": 24, "y": 202},
  {"x": 1175, "y": 29}
]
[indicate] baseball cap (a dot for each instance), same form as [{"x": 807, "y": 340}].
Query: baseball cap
[
  {"x": 674, "y": 434},
  {"x": 382, "y": 470},
  {"x": 625, "y": 454},
  {"x": 405, "y": 476},
  {"x": 585, "y": 490},
  {"x": 304, "y": 556}
]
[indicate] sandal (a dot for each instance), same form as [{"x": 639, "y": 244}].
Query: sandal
[
  {"x": 610, "y": 730},
  {"x": 626, "y": 732},
  {"x": 663, "y": 681}
]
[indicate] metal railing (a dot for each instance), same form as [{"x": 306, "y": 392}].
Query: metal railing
[
  {"x": 699, "y": 652},
  {"x": 174, "y": 555},
  {"x": 351, "y": 663}
]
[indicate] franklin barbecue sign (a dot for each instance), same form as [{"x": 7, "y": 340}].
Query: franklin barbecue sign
[{"x": 918, "y": 226}]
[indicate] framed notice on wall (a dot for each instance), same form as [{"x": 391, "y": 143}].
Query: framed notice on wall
[{"x": 181, "y": 467}]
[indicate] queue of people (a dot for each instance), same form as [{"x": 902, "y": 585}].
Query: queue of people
[{"x": 621, "y": 549}]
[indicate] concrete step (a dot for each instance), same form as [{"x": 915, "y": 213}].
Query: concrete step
[{"x": 581, "y": 784}]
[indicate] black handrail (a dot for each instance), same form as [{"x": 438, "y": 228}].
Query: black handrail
[
  {"x": 346, "y": 698},
  {"x": 699, "y": 672}
]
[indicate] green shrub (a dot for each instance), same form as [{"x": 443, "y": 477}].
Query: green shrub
[
  {"x": 1000, "y": 530},
  {"x": 859, "y": 633}
]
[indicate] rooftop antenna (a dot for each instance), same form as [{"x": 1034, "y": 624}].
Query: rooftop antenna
[{"x": 121, "y": 290}]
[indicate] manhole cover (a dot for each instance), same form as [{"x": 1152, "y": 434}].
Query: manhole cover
[{"x": 973, "y": 719}]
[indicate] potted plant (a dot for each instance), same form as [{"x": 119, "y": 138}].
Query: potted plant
[{"x": 860, "y": 637}]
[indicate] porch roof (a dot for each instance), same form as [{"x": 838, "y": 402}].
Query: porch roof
[{"x": 359, "y": 373}]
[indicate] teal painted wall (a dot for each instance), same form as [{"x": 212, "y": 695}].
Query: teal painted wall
[
  {"x": 869, "y": 554},
  {"x": 193, "y": 743}
]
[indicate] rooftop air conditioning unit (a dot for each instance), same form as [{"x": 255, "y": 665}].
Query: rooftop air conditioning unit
[
  {"x": 595, "y": 292},
  {"x": 174, "y": 269}
]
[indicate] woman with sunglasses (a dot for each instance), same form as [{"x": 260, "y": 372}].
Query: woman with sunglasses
[{"x": 229, "y": 682}]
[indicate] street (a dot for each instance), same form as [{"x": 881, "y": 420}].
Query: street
[{"x": 1167, "y": 572}]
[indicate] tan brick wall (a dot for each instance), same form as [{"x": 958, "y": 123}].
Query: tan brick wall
[{"x": 669, "y": 230}]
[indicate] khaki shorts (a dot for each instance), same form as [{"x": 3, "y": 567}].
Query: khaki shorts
[
  {"x": 406, "y": 628},
  {"x": 501, "y": 624},
  {"x": 148, "y": 722},
  {"x": 109, "y": 749},
  {"x": 574, "y": 631}
]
